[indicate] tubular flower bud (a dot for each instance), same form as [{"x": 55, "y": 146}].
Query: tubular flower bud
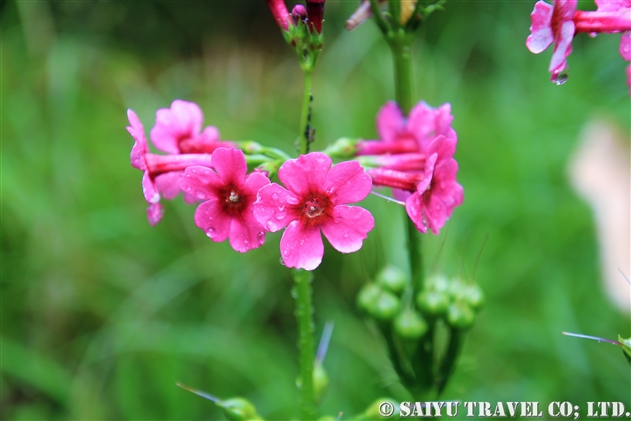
[
  {"x": 315, "y": 14},
  {"x": 280, "y": 13}
]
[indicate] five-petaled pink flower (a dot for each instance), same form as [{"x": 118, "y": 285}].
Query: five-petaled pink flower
[
  {"x": 426, "y": 139},
  {"x": 161, "y": 173},
  {"x": 228, "y": 193},
  {"x": 315, "y": 200},
  {"x": 553, "y": 24}
]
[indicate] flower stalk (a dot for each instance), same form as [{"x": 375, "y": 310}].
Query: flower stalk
[{"x": 304, "y": 316}]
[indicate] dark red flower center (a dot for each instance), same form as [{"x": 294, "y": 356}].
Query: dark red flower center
[
  {"x": 232, "y": 200},
  {"x": 316, "y": 209}
]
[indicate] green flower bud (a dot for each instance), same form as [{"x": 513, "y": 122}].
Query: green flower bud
[
  {"x": 474, "y": 296},
  {"x": 320, "y": 382},
  {"x": 367, "y": 297},
  {"x": 457, "y": 289},
  {"x": 432, "y": 302},
  {"x": 626, "y": 348},
  {"x": 386, "y": 307},
  {"x": 373, "y": 411},
  {"x": 393, "y": 279},
  {"x": 239, "y": 409},
  {"x": 410, "y": 325},
  {"x": 460, "y": 316},
  {"x": 437, "y": 282}
]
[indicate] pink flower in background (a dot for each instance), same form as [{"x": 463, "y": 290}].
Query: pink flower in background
[
  {"x": 228, "y": 193},
  {"x": 161, "y": 173},
  {"x": 178, "y": 130},
  {"x": 315, "y": 201},
  {"x": 416, "y": 161},
  {"x": 553, "y": 24}
]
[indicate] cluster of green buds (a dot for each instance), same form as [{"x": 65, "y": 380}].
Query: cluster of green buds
[
  {"x": 454, "y": 300},
  {"x": 409, "y": 318}
]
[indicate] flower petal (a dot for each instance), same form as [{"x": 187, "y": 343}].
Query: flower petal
[
  {"x": 182, "y": 121},
  {"x": 541, "y": 36},
  {"x": 347, "y": 182},
  {"x": 138, "y": 151},
  {"x": 625, "y": 45},
  {"x": 210, "y": 217},
  {"x": 301, "y": 248},
  {"x": 230, "y": 165},
  {"x": 149, "y": 189},
  {"x": 348, "y": 228},
  {"x": 168, "y": 184},
  {"x": 199, "y": 181},
  {"x": 274, "y": 208},
  {"x": 390, "y": 121},
  {"x": 154, "y": 213},
  {"x": 562, "y": 48},
  {"x": 414, "y": 209},
  {"x": 305, "y": 174},
  {"x": 246, "y": 234}
]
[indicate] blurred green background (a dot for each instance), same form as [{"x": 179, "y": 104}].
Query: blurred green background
[{"x": 102, "y": 314}]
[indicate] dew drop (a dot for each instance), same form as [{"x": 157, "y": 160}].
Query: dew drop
[
  {"x": 274, "y": 196},
  {"x": 560, "y": 78},
  {"x": 200, "y": 194},
  {"x": 281, "y": 208},
  {"x": 285, "y": 252},
  {"x": 280, "y": 215},
  {"x": 246, "y": 241},
  {"x": 593, "y": 34},
  {"x": 282, "y": 262},
  {"x": 345, "y": 235},
  {"x": 260, "y": 235}
]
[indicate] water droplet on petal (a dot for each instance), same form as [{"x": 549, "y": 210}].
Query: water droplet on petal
[
  {"x": 285, "y": 252},
  {"x": 281, "y": 208},
  {"x": 200, "y": 194},
  {"x": 593, "y": 34},
  {"x": 261, "y": 235},
  {"x": 274, "y": 196},
  {"x": 282, "y": 262},
  {"x": 345, "y": 235},
  {"x": 560, "y": 78},
  {"x": 280, "y": 215},
  {"x": 246, "y": 241}
]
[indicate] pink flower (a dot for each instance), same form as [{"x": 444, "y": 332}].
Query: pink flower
[
  {"x": 553, "y": 24},
  {"x": 178, "y": 130},
  {"x": 424, "y": 176},
  {"x": 414, "y": 134},
  {"x": 316, "y": 200},
  {"x": 228, "y": 193},
  {"x": 161, "y": 173}
]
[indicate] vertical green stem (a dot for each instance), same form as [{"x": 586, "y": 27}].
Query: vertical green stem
[
  {"x": 304, "y": 316},
  {"x": 402, "y": 53},
  {"x": 305, "y": 115},
  {"x": 456, "y": 337}
]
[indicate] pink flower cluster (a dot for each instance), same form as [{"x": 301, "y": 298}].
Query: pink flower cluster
[
  {"x": 242, "y": 207},
  {"x": 415, "y": 157},
  {"x": 558, "y": 24}
]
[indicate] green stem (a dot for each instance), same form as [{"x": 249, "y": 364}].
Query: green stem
[
  {"x": 304, "y": 316},
  {"x": 305, "y": 115},
  {"x": 456, "y": 337},
  {"x": 402, "y": 51}
]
